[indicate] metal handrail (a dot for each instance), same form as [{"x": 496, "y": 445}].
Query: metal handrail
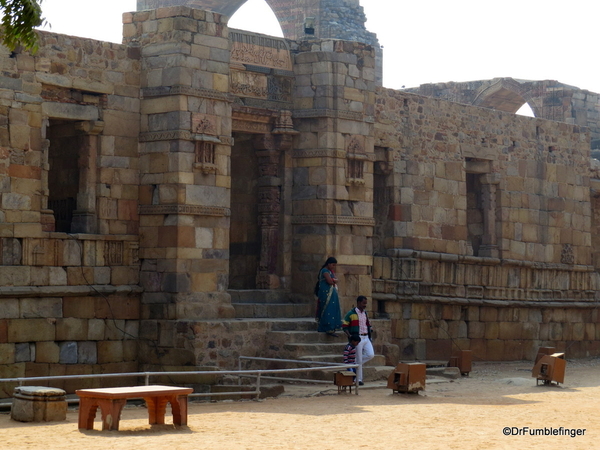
[{"x": 247, "y": 373}]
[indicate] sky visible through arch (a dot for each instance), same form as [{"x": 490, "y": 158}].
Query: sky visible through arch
[{"x": 428, "y": 41}]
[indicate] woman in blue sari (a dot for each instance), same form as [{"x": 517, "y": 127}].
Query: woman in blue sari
[{"x": 328, "y": 306}]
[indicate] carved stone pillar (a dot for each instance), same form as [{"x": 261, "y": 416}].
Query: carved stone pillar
[
  {"x": 269, "y": 148},
  {"x": 85, "y": 216},
  {"x": 489, "y": 240}
]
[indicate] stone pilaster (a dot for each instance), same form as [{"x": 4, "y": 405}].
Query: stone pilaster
[
  {"x": 184, "y": 162},
  {"x": 333, "y": 164},
  {"x": 489, "y": 240}
]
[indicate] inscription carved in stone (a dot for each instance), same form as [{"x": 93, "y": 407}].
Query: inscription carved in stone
[
  {"x": 263, "y": 51},
  {"x": 249, "y": 84}
]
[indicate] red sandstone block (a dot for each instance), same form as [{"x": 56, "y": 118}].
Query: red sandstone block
[
  {"x": 79, "y": 307},
  {"x": 167, "y": 237},
  {"x": 117, "y": 308},
  {"x": 439, "y": 349},
  {"x": 128, "y": 210},
  {"x": 18, "y": 171},
  {"x": 495, "y": 350}
]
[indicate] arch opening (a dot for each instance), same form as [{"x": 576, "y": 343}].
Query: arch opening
[
  {"x": 503, "y": 100},
  {"x": 258, "y": 17}
]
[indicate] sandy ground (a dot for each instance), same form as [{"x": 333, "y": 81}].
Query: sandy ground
[{"x": 469, "y": 413}]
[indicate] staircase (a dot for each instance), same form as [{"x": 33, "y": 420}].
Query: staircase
[
  {"x": 294, "y": 333},
  {"x": 268, "y": 304}
]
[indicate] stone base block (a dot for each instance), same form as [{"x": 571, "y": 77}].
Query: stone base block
[{"x": 38, "y": 404}]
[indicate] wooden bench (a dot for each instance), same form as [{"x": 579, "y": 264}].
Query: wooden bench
[{"x": 112, "y": 400}]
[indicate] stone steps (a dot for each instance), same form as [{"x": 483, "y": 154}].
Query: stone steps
[
  {"x": 269, "y": 304},
  {"x": 272, "y": 310}
]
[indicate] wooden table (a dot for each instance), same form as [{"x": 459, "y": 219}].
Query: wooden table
[{"x": 112, "y": 400}]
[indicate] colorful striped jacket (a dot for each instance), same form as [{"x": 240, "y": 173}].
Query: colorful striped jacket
[{"x": 350, "y": 323}]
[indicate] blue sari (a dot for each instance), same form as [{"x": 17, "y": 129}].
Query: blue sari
[{"x": 328, "y": 310}]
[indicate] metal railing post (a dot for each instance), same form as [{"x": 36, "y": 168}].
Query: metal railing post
[{"x": 258, "y": 386}]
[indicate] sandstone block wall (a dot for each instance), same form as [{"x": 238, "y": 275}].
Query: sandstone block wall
[
  {"x": 333, "y": 164},
  {"x": 536, "y": 173},
  {"x": 69, "y": 303},
  {"x": 485, "y": 221}
]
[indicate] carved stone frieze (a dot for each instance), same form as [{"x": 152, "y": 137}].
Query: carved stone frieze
[
  {"x": 183, "y": 135},
  {"x": 193, "y": 210},
  {"x": 266, "y": 51},
  {"x": 331, "y": 219},
  {"x": 205, "y": 124},
  {"x": 250, "y": 127},
  {"x": 249, "y": 84},
  {"x": 113, "y": 253}
]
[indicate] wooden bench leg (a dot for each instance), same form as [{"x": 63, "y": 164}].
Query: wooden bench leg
[
  {"x": 157, "y": 406},
  {"x": 179, "y": 405},
  {"x": 87, "y": 412},
  {"x": 109, "y": 409},
  {"x": 111, "y": 412}
]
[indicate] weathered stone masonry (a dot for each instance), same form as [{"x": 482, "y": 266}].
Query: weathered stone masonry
[{"x": 146, "y": 185}]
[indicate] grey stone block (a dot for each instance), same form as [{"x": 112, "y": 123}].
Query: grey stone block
[
  {"x": 38, "y": 404},
  {"x": 68, "y": 353}
]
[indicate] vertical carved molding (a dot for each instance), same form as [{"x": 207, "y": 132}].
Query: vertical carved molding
[
  {"x": 269, "y": 148},
  {"x": 489, "y": 240}
]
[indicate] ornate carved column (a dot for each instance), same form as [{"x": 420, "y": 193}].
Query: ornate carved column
[
  {"x": 489, "y": 240},
  {"x": 269, "y": 148}
]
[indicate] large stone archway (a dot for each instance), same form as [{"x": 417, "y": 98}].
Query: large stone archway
[
  {"x": 322, "y": 19},
  {"x": 548, "y": 99}
]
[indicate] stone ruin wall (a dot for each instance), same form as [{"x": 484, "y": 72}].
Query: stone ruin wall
[
  {"x": 426, "y": 279},
  {"x": 548, "y": 99},
  {"x": 70, "y": 303},
  {"x": 502, "y": 304}
]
